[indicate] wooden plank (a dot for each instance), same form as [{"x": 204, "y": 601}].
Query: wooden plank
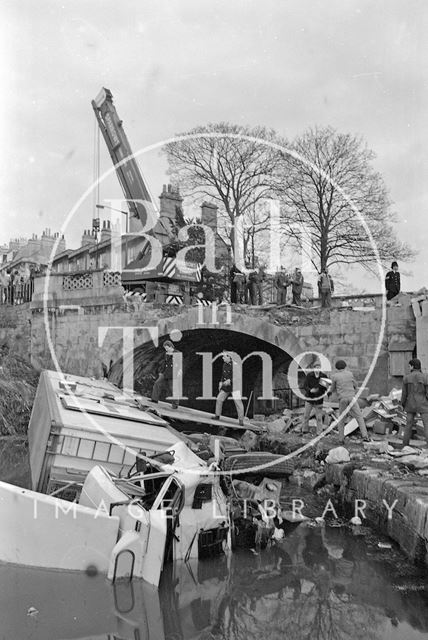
[{"x": 186, "y": 414}]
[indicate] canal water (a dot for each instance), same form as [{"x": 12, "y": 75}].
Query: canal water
[{"x": 319, "y": 583}]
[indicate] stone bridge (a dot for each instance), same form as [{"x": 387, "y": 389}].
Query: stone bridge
[{"x": 86, "y": 328}]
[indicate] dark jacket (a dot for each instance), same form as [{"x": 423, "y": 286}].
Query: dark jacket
[
  {"x": 414, "y": 392},
  {"x": 392, "y": 282},
  {"x": 281, "y": 280},
  {"x": 313, "y": 382},
  {"x": 166, "y": 366},
  {"x": 297, "y": 283},
  {"x": 232, "y": 273},
  {"x": 227, "y": 374}
]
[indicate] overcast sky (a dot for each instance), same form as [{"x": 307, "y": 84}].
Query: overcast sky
[{"x": 360, "y": 66}]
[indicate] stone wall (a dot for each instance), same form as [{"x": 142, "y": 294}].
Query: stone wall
[
  {"x": 84, "y": 313},
  {"x": 80, "y": 348},
  {"x": 408, "y": 525},
  {"x": 15, "y": 329}
]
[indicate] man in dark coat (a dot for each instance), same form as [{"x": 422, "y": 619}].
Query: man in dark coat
[
  {"x": 392, "y": 282},
  {"x": 226, "y": 389},
  {"x": 163, "y": 385},
  {"x": 255, "y": 286},
  {"x": 237, "y": 285},
  {"x": 297, "y": 286},
  {"x": 414, "y": 398},
  {"x": 315, "y": 391}
]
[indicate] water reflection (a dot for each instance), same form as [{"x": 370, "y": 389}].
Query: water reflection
[{"x": 317, "y": 583}]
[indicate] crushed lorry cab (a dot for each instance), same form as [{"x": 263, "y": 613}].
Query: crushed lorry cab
[{"x": 79, "y": 422}]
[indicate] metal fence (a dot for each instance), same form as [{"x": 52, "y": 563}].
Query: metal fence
[{"x": 17, "y": 293}]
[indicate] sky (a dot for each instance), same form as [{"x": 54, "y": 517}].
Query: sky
[{"x": 357, "y": 65}]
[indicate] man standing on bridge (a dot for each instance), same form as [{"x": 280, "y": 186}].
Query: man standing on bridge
[{"x": 297, "y": 286}]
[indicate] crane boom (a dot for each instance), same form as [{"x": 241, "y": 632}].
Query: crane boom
[
  {"x": 141, "y": 206},
  {"x": 126, "y": 166}
]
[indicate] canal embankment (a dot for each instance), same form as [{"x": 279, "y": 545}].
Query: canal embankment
[{"x": 396, "y": 506}]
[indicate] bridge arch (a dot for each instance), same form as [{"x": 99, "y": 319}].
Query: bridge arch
[{"x": 201, "y": 332}]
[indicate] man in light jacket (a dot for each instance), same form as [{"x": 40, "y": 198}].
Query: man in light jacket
[
  {"x": 226, "y": 389},
  {"x": 346, "y": 386},
  {"x": 414, "y": 398},
  {"x": 325, "y": 288}
]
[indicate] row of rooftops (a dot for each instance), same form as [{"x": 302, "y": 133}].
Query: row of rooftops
[{"x": 23, "y": 252}]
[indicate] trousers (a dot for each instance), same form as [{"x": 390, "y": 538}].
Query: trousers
[
  {"x": 162, "y": 389},
  {"x": 411, "y": 416},
  {"x": 281, "y": 295},
  {"x": 222, "y": 396},
  {"x": 354, "y": 412},
  {"x": 317, "y": 409},
  {"x": 325, "y": 298}
]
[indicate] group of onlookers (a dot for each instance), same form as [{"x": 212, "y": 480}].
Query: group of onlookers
[
  {"x": 16, "y": 286},
  {"x": 283, "y": 280},
  {"x": 246, "y": 287}
]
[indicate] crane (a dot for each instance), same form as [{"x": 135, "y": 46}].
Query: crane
[{"x": 142, "y": 208}]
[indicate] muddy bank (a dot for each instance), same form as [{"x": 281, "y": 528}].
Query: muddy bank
[{"x": 18, "y": 383}]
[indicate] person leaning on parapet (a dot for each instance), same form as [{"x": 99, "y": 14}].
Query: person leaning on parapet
[
  {"x": 345, "y": 386},
  {"x": 414, "y": 400},
  {"x": 225, "y": 387},
  {"x": 281, "y": 283},
  {"x": 164, "y": 383},
  {"x": 315, "y": 391},
  {"x": 392, "y": 282},
  {"x": 297, "y": 286},
  {"x": 325, "y": 288}
]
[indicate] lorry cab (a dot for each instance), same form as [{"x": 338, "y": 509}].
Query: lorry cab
[{"x": 77, "y": 423}]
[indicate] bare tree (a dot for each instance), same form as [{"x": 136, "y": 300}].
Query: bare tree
[
  {"x": 317, "y": 194},
  {"x": 231, "y": 165}
]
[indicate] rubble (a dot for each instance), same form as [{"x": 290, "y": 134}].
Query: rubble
[{"x": 338, "y": 454}]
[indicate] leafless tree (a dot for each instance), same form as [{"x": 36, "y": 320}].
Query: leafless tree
[
  {"x": 317, "y": 193},
  {"x": 231, "y": 165}
]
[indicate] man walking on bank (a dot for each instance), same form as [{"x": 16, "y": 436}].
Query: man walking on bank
[
  {"x": 346, "y": 386},
  {"x": 163, "y": 386},
  {"x": 414, "y": 399},
  {"x": 315, "y": 391},
  {"x": 226, "y": 389}
]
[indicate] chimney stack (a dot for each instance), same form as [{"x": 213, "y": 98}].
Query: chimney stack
[{"x": 209, "y": 215}]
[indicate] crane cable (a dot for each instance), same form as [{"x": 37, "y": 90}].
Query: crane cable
[{"x": 96, "y": 169}]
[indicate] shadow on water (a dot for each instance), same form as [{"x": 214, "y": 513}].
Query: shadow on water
[{"x": 317, "y": 583}]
